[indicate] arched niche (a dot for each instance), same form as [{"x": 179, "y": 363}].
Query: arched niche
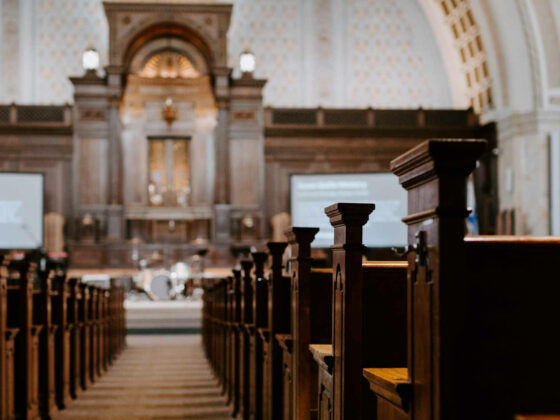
[
  {"x": 158, "y": 46},
  {"x": 134, "y": 27}
]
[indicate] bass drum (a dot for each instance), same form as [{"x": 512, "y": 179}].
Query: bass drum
[{"x": 160, "y": 286}]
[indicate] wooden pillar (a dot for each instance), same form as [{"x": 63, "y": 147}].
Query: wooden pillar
[
  {"x": 300, "y": 241},
  {"x": 347, "y": 220}
]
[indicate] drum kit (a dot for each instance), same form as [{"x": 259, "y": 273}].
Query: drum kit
[{"x": 160, "y": 283}]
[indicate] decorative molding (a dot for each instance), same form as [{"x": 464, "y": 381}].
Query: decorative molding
[{"x": 527, "y": 21}]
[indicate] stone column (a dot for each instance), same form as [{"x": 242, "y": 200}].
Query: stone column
[
  {"x": 97, "y": 143},
  {"x": 115, "y": 214},
  {"x": 246, "y": 151},
  {"x": 222, "y": 226}
]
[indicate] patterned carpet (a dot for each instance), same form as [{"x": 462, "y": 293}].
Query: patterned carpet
[{"x": 156, "y": 377}]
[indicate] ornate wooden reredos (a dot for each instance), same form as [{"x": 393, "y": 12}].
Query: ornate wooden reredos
[{"x": 225, "y": 139}]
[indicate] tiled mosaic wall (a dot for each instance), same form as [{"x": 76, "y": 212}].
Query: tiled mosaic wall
[{"x": 337, "y": 53}]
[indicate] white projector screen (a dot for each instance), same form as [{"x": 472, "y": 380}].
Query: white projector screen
[
  {"x": 21, "y": 210},
  {"x": 310, "y": 194}
]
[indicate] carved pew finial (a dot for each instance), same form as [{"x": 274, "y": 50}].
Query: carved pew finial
[{"x": 259, "y": 258}]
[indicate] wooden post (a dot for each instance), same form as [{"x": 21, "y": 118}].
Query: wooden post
[
  {"x": 347, "y": 220},
  {"x": 278, "y": 323},
  {"x": 300, "y": 241},
  {"x": 5, "y": 412},
  {"x": 436, "y": 171},
  {"x": 260, "y": 309},
  {"x": 85, "y": 340},
  {"x": 62, "y": 361},
  {"x": 75, "y": 336},
  {"x": 47, "y": 349},
  {"x": 247, "y": 321},
  {"x": 236, "y": 337},
  {"x": 94, "y": 342}
]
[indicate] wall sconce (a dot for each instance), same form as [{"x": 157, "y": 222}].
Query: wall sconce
[
  {"x": 247, "y": 63},
  {"x": 90, "y": 60},
  {"x": 169, "y": 113}
]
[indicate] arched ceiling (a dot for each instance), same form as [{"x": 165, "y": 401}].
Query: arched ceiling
[
  {"x": 302, "y": 47},
  {"x": 462, "y": 44}
]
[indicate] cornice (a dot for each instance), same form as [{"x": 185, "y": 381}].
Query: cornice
[
  {"x": 523, "y": 124},
  {"x": 111, "y": 6}
]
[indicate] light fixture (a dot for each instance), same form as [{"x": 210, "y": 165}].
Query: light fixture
[
  {"x": 90, "y": 59},
  {"x": 169, "y": 113},
  {"x": 247, "y": 62}
]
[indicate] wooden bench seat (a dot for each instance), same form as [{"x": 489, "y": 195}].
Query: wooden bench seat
[
  {"x": 392, "y": 384},
  {"x": 323, "y": 357},
  {"x": 286, "y": 343}
]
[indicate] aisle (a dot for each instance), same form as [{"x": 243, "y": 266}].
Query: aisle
[{"x": 156, "y": 377}]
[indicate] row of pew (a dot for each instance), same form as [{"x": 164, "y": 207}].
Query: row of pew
[
  {"x": 57, "y": 335},
  {"x": 458, "y": 327}
]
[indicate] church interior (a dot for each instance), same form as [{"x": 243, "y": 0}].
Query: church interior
[{"x": 279, "y": 209}]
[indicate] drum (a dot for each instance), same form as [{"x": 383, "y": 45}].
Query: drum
[{"x": 161, "y": 286}]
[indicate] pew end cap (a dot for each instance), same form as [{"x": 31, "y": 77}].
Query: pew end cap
[{"x": 393, "y": 384}]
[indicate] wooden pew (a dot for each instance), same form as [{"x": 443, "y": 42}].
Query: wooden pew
[
  {"x": 85, "y": 336},
  {"x": 369, "y": 302},
  {"x": 245, "y": 341},
  {"x": 229, "y": 325},
  {"x": 260, "y": 319},
  {"x": 94, "y": 332},
  {"x": 278, "y": 323},
  {"x": 221, "y": 321},
  {"x": 76, "y": 332},
  {"x": 482, "y": 310},
  {"x": 311, "y": 307},
  {"x": 22, "y": 276},
  {"x": 42, "y": 368},
  {"x": 7, "y": 346},
  {"x": 236, "y": 336},
  {"x": 43, "y": 316},
  {"x": 60, "y": 318}
]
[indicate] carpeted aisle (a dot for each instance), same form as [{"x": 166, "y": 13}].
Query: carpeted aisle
[{"x": 156, "y": 377}]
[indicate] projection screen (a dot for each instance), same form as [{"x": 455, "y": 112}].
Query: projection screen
[
  {"x": 21, "y": 210},
  {"x": 310, "y": 194}
]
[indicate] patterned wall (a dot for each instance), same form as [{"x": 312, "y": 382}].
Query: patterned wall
[
  {"x": 346, "y": 53},
  {"x": 65, "y": 28}
]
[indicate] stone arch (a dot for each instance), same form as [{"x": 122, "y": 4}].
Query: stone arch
[
  {"x": 133, "y": 24},
  {"x": 159, "y": 45},
  {"x": 463, "y": 47},
  {"x": 172, "y": 31}
]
